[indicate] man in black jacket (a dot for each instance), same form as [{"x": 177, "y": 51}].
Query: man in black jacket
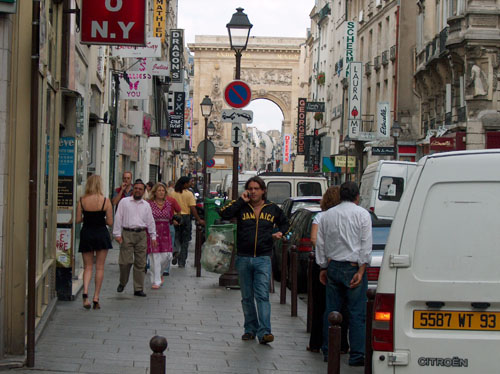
[{"x": 257, "y": 218}]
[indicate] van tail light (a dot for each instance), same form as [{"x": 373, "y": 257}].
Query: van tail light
[
  {"x": 383, "y": 323},
  {"x": 305, "y": 245},
  {"x": 372, "y": 273},
  {"x": 372, "y": 209}
]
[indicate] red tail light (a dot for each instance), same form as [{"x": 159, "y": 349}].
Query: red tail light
[
  {"x": 372, "y": 273},
  {"x": 305, "y": 245},
  {"x": 372, "y": 209},
  {"x": 383, "y": 323}
]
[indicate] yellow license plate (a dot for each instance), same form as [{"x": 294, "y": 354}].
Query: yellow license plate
[{"x": 456, "y": 320}]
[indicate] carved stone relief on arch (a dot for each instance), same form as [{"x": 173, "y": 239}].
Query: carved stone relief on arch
[{"x": 280, "y": 77}]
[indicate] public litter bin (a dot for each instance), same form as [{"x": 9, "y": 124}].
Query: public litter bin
[
  {"x": 217, "y": 250},
  {"x": 211, "y": 215}
]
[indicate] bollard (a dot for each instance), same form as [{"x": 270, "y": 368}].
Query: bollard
[
  {"x": 310, "y": 301},
  {"x": 293, "y": 275},
  {"x": 370, "y": 294},
  {"x": 158, "y": 344},
  {"x": 284, "y": 268},
  {"x": 197, "y": 251},
  {"x": 334, "y": 337}
]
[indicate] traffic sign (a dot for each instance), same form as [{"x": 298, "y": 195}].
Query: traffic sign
[
  {"x": 211, "y": 163},
  {"x": 237, "y": 116},
  {"x": 237, "y": 94},
  {"x": 210, "y": 149},
  {"x": 236, "y": 135}
]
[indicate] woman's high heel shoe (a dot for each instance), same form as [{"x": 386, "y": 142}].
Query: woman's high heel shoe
[
  {"x": 96, "y": 304},
  {"x": 86, "y": 303}
]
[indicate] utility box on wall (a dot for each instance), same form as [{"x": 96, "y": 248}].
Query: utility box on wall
[{"x": 8, "y": 6}]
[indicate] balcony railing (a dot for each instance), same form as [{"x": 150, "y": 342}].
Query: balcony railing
[{"x": 443, "y": 37}]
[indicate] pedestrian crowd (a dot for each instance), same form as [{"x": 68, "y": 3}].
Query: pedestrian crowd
[{"x": 156, "y": 232}]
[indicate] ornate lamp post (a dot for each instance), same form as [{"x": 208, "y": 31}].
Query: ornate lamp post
[
  {"x": 239, "y": 31},
  {"x": 395, "y": 133},
  {"x": 347, "y": 144},
  {"x": 293, "y": 157},
  {"x": 206, "y": 110}
]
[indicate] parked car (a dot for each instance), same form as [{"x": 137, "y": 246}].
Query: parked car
[
  {"x": 300, "y": 235},
  {"x": 437, "y": 305},
  {"x": 292, "y": 204}
]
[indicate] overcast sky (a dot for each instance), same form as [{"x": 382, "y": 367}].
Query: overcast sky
[{"x": 287, "y": 18}]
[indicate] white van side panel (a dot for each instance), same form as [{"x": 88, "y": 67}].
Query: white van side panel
[{"x": 451, "y": 235}]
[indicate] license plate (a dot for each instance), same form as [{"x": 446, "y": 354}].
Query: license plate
[{"x": 456, "y": 320}]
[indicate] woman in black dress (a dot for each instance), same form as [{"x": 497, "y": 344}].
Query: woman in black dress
[{"x": 95, "y": 211}]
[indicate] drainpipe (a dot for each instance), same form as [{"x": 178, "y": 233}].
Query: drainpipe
[
  {"x": 33, "y": 182},
  {"x": 396, "y": 67}
]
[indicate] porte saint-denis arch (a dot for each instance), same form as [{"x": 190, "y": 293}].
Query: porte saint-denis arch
[{"x": 275, "y": 68}]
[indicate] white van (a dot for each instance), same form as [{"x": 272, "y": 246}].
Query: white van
[
  {"x": 227, "y": 184},
  {"x": 382, "y": 185},
  {"x": 282, "y": 185},
  {"x": 437, "y": 307}
]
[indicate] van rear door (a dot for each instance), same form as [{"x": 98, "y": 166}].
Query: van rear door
[
  {"x": 391, "y": 184},
  {"x": 447, "y": 304}
]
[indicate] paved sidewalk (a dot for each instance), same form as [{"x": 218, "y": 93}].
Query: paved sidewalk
[{"x": 201, "y": 321}]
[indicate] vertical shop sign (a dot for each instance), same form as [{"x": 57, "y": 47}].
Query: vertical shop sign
[
  {"x": 287, "y": 145},
  {"x": 176, "y": 48},
  {"x": 115, "y": 22},
  {"x": 350, "y": 45},
  {"x": 383, "y": 120},
  {"x": 316, "y": 151},
  {"x": 159, "y": 16},
  {"x": 176, "y": 119},
  {"x": 355, "y": 91},
  {"x": 301, "y": 126},
  {"x": 138, "y": 85}
]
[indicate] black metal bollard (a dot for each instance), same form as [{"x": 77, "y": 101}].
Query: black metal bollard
[
  {"x": 334, "y": 337},
  {"x": 293, "y": 275},
  {"x": 284, "y": 268},
  {"x": 370, "y": 294},
  {"x": 158, "y": 363},
  {"x": 197, "y": 250},
  {"x": 310, "y": 301}
]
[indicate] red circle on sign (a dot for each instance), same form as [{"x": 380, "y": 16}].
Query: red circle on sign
[
  {"x": 211, "y": 163},
  {"x": 237, "y": 94}
]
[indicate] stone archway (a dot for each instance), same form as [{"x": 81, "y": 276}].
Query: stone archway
[{"x": 275, "y": 69}]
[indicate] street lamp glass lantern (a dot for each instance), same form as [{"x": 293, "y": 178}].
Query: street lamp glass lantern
[
  {"x": 239, "y": 30},
  {"x": 206, "y": 107},
  {"x": 211, "y": 129},
  {"x": 395, "y": 130},
  {"x": 293, "y": 156},
  {"x": 347, "y": 142}
]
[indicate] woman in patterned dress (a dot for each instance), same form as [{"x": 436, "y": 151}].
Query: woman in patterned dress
[{"x": 163, "y": 208}]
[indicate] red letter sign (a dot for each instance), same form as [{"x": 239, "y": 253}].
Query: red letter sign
[{"x": 114, "y": 22}]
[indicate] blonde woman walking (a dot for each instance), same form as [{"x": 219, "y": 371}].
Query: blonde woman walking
[{"x": 95, "y": 211}]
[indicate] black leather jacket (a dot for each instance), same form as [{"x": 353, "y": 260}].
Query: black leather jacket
[{"x": 255, "y": 234}]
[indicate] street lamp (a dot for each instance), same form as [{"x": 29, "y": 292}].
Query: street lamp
[
  {"x": 395, "y": 133},
  {"x": 293, "y": 156},
  {"x": 239, "y": 31},
  {"x": 206, "y": 110},
  {"x": 211, "y": 129},
  {"x": 347, "y": 144}
]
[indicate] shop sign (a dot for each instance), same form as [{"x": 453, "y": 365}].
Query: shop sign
[
  {"x": 113, "y": 22},
  {"x": 160, "y": 14},
  {"x": 301, "y": 126},
  {"x": 350, "y": 45},
  {"x": 138, "y": 86},
  {"x": 383, "y": 151},
  {"x": 340, "y": 161},
  {"x": 159, "y": 68},
  {"x": 176, "y": 119},
  {"x": 383, "y": 120},
  {"x": 316, "y": 151},
  {"x": 442, "y": 144},
  {"x": 175, "y": 54},
  {"x": 152, "y": 49},
  {"x": 7, "y": 6},
  {"x": 355, "y": 99},
  {"x": 315, "y": 106},
  {"x": 287, "y": 146},
  {"x": 63, "y": 247}
]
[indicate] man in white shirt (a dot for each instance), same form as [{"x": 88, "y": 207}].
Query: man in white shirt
[
  {"x": 132, "y": 218},
  {"x": 343, "y": 250}
]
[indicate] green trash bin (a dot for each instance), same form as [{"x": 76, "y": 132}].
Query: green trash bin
[{"x": 211, "y": 215}]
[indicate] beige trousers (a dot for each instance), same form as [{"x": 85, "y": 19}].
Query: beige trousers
[{"x": 133, "y": 251}]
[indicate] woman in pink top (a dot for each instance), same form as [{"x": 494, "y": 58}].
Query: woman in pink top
[{"x": 163, "y": 208}]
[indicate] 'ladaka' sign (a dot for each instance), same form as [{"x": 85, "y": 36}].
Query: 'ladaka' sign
[{"x": 114, "y": 22}]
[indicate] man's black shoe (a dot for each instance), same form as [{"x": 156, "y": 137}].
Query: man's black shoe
[
  {"x": 120, "y": 288},
  {"x": 174, "y": 258},
  {"x": 166, "y": 273},
  {"x": 139, "y": 293},
  {"x": 357, "y": 363}
]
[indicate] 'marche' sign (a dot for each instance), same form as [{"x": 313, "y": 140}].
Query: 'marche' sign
[{"x": 114, "y": 22}]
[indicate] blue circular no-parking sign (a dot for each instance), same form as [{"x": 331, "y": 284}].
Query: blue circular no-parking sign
[{"x": 237, "y": 94}]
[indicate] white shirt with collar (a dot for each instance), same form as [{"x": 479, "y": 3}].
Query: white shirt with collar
[
  {"x": 134, "y": 214},
  {"x": 344, "y": 234}
]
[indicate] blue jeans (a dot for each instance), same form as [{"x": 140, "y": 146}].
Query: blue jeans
[
  {"x": 338, "y": 292},
  {"x": 255, "y": 278}
]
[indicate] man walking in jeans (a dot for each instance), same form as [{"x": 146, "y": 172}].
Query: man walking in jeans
[
  {"x": 257, "y": 218},
  {"x": 343, "y": 250}
]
